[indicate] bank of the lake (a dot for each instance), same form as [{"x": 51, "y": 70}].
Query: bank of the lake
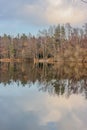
[{"x": 46, "y": 60}]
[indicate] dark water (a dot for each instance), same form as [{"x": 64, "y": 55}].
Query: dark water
[{"x": 43, "y": 96}]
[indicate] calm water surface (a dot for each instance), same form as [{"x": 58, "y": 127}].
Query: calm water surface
[{"x": 43, "y": 96}]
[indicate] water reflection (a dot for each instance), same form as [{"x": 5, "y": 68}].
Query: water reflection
[
  {"x": 60, "y": 79},
  {"x": 28, "y": 109},
  {"x": 43, "y": 96}
]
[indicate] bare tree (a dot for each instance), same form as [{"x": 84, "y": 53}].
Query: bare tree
[{"x": 85, "y": 1}]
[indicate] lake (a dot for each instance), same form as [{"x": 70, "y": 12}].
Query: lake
[{"x": 43, "y": 96}]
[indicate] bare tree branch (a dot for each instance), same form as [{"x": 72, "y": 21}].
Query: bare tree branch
[{"x": 84, "y": 1}]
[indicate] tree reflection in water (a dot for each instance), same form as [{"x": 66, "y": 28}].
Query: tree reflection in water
[{"x": 61, "y": 79}]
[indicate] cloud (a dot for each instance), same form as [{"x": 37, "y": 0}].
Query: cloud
[
  {"x": 41, "y": 13},
  {"x": 63, "y": 14}
]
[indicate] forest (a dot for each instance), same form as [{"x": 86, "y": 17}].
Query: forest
[{"x": 56, "y": 43}]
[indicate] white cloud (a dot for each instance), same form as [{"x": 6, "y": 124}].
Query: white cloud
[
  {"x": 28, "y": 14},
  {"x": 54, "y": 3},
  {"x": 53, "y": 12},
  {"x": 63, "y": 12}
]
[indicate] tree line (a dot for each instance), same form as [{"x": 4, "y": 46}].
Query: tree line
[{"x": 56, "y": 42}]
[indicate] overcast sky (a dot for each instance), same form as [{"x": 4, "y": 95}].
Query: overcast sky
[{"x": 23, "y": 16}]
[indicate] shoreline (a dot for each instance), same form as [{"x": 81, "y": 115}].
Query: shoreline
[
  {"x": 61, "y": 60},
  {"x": 42, "y": 60},
  {"x": 10, "y": 60}
]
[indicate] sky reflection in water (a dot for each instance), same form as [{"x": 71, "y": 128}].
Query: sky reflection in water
[{"x": 28, "y": 108}]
